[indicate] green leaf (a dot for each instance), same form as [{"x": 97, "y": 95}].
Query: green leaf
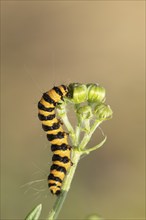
[
  {"x": 94, "y": 217},
  {"x": 35, "y": 213}
]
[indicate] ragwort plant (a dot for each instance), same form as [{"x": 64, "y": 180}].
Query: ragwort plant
[{"x": 88, "y": 102}]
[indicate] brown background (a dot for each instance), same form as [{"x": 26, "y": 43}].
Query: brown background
[{"x": 47, "y": 43}]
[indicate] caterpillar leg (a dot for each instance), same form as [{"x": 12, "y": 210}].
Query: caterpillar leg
[
  {"x": 59, "y": 120},
  {"x": 69, "y": 147}
]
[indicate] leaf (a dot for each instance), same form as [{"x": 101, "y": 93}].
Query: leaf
[
  {"x": 35, "y": 213},
  {"x": 94, "y": 217}
]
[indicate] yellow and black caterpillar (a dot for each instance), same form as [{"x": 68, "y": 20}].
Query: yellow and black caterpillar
[{"x": 56, "y": 135}]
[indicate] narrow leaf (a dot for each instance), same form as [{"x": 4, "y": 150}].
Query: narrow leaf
[
  {"x": 35, "y": 213},
  {"x": 94, "y": 217}
]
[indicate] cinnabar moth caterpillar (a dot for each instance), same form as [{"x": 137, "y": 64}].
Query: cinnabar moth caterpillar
[{"x": 56, "y": 135}]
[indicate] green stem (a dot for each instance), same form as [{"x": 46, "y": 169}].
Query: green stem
[
  {"x": 65, "y": 187},
  {"x": 95, "y": 147},
  {"x": 74, "y": 135},
  {"x": 77, "y": 136},
  {"x": 63, "y": 114},
  {"x": 88, "y": 135}
]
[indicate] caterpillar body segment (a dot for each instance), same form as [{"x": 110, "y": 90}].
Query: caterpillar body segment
[{"x": 56, "y": 135}]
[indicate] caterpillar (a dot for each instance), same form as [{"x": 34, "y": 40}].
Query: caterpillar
[{"x": 56, "y": 135}]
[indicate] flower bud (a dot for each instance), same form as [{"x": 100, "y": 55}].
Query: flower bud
[
  {"x": 103, "y": 112},
  {"x": 96, "y": 93},
  {"x": 78, "y": 92},
  {"x": 84, "y": 112}
]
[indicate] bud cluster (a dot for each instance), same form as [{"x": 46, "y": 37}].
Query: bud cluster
[{"x": 89, "y": 100}]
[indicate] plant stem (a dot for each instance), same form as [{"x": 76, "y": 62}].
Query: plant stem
[
  {"x": 87, "y": 151},
  {"x": 76, "y": 154},
  {"x": 77, "y": 136},
  {"x": 65, "y": 187},
  {"x": 63, "y": 114},
  {"x": 88, "y": 135}
]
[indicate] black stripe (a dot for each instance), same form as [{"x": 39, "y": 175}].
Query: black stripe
[
  {"x": 58, "y": 91},
  {"x": 55, "y": 147},
  {"x": 53, "y": 184},
  {"x": 46, "y": 118},
  {"x": 57, "y": 192},
  {"x": 58, "y": 168},
  {"x": 59, "y": 135},
  {"x": 56, "y": 157},
  {"x": 48, "y": 99},
  {"x": 65, "y": 88},
  {"x": 52, "y": 177},
  {"x": 42, "y": 107},
  {"x": 55, "y": 126}
]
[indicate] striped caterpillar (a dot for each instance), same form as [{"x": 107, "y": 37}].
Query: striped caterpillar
[{"x": 56, "y": 135}]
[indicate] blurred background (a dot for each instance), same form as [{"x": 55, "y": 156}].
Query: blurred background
[{"x": 47, "y": 43}]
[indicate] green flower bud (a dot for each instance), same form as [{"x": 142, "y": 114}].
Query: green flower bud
[
  {"x": 78, "y": 92},
  {"x": 103, "y": 112},
  {"x": 96, "y": 93},
  {"x": 85, "y": 112}
]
